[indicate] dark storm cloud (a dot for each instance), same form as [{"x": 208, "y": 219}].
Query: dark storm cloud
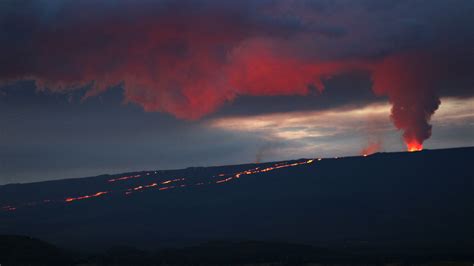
[
  {"x": 352, "y": 89},
  {"x": 191, "y": 58}
]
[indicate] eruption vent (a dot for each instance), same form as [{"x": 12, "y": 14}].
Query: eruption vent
[
  {"x": 408, "y": 81},
  {"x": 371, "y": 148},
  {"x": 414, "y": 146}
]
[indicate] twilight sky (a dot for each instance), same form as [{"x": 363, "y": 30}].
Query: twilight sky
[{"x": 93, "y": 87}]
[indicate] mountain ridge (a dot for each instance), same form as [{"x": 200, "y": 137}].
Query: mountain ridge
[
  {"x": 408, "y": 199},
  {"x": 225, "y": 165}
]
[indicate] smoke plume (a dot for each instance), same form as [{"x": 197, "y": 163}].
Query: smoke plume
[
  {"x": 408, "y": 82},
  {"x": 371, "y": 148},
  {"x": 188, "y": 58}
]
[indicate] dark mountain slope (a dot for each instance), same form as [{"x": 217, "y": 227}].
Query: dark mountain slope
[
  {"x": 422, "y": 199},
  {"x": 18, "y": 250}
]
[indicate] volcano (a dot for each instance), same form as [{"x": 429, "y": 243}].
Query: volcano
[{"x": 420, "y": 199}]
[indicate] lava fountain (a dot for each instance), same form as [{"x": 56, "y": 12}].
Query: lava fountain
[{"x": 414, "y": 146}]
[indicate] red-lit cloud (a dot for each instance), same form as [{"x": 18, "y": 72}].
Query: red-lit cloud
[{"x": 188, "y": 59}]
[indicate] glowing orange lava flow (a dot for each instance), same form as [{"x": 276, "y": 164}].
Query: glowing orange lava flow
[
  {"x": 169, "y": 184},
  {"x": 98, "y": 194},
  {"x": 414, "y": 146},
  {"x": 141, "y": 187},
  {"x": 8, "y": 208},
  {"x": 124, "y": 178},
  {"x": 257, "y": 170}
]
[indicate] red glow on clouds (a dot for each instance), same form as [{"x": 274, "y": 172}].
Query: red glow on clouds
[{"x": 189, "y": 61}]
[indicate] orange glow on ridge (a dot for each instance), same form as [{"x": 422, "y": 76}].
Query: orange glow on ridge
[{"x": 414, "y": 146}]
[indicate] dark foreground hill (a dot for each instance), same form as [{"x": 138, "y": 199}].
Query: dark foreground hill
[
  {"x": 390, "y": 203},
  {"x": 17, "y": 250}
]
